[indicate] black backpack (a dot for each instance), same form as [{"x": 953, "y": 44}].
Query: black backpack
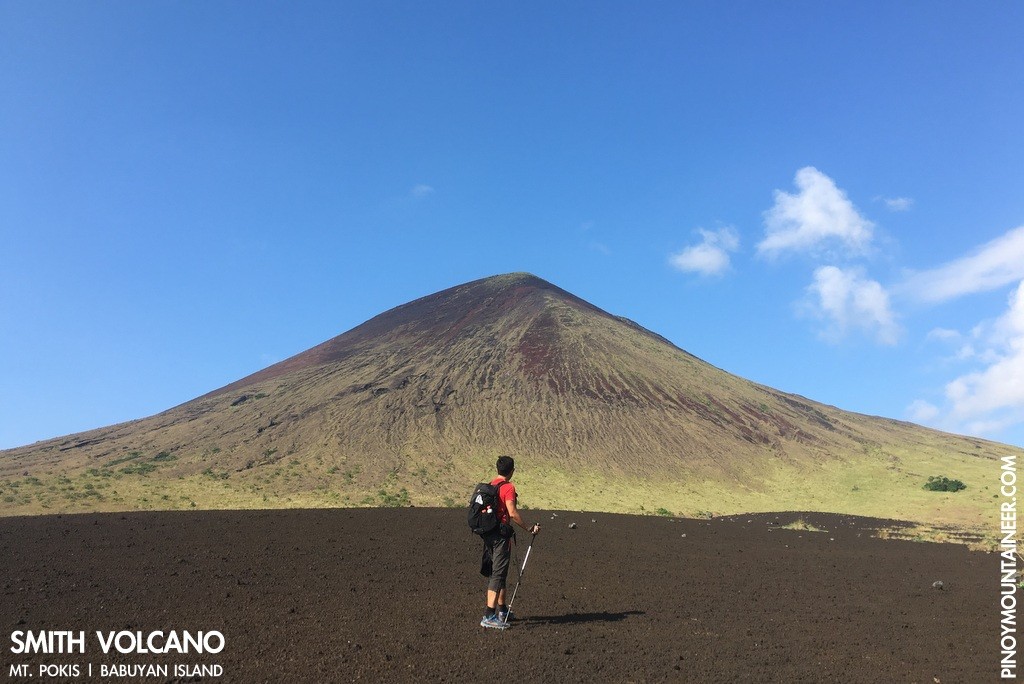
[{"x": 483, "y": 508}]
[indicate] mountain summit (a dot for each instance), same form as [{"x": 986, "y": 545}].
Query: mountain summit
[
  {"x": 418, "y": 401},
  {"x": 500, "y": 308},
  {"x": 517, "y": 323}
]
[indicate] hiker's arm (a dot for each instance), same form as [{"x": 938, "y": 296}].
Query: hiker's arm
[{"x": 517, "y": 517}]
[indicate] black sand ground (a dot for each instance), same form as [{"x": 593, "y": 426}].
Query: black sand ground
[{"x": 394, "y": 595}]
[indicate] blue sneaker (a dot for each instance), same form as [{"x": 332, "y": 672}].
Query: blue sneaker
[
  {"x": 505, "y": 615},
  {"x": 493, "y": 622}
]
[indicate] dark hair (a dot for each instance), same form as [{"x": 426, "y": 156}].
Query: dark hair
[{"x": 505, "y": 465}]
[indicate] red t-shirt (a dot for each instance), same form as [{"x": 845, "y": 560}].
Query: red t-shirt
[{"x": 507, "y": 492}]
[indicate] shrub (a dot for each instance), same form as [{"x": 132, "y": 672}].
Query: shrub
[
  {"x": 801, "y": 524},
  {"x": 130, "y": 457},
  {"x": 943, "y": 484},
  {"x": 665, "y": 512},
  {"x": 399, "y": 500},
  {"x": 138, "y": 469}
]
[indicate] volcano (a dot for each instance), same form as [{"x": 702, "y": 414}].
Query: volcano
[{"x": 414, "y": 405}]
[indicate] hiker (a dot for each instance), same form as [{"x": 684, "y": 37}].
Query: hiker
[{"x": 498, "y": 544}]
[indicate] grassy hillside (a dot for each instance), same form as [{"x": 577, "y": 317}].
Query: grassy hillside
[{"x": 869, "y": 486}]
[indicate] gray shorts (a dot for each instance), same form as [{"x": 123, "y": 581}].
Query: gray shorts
[{"x": 498, "y": 549}]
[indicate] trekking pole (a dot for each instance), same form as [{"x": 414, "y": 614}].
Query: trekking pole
[{"x": 519, "y": 581}]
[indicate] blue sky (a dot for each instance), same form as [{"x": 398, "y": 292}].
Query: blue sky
[{"x": 823, "y": 197}]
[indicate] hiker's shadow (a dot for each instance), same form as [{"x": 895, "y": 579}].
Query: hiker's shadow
[{"x": 576, "y": 618}]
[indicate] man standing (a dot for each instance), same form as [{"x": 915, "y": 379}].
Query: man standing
[{"x": 497, "y": 545}]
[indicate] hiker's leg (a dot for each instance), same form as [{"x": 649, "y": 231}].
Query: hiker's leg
[
  {"x": 500, "y": 552},
  {"x": 499, "y": 568},
  {"x": 505, "y": 553}
]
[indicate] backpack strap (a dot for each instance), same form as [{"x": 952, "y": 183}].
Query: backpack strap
[
  {"x": 512, "y": 529},
  {"x": 497, "y": 488}
]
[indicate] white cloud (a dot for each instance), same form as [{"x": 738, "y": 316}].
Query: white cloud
[
  {"x": 898, "y": 203},
  {"x": 995, "y": 394},
  {"x": 1008, "y": 330},
  {"x": 921, "y": 411},
  {"x": 943, "y": 334},
  {"x": 421, "y": 191},
  {"x": 849, "y": 301},
  {"x": 993, "y": 265},
  {"x": 711, "y": 256},
  {"x": 991, "y": 427},
  {"x": 601, "y": 247},
  {"x": 990, "y": 398},
  {"x": 966, "y": 352},
  {"x": 964, "y": 347},
  {"x": 814, "y": 220}
]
